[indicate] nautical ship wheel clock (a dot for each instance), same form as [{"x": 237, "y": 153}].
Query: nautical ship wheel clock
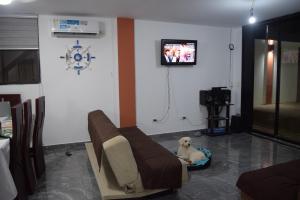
[{"x": 78, "y": 57}]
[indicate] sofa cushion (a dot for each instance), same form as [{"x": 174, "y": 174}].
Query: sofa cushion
[
  {"x": 121, "y": 160},
  {"x": 278, "y": 182},
  {"x": 158, "y": 167},
  {"x": 101, "y": 129}
]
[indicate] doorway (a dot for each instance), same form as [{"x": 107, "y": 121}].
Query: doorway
[
  {"x": 270, "y": 100},
  {"x": 264, "y": 89},
  {"x": 289, "y": 102},
  {"x": 276, "y": 89}
]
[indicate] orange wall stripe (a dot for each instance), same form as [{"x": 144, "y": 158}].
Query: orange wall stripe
[{"x": 126, "y": 72}]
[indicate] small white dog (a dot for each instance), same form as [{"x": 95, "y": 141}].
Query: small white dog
[{"x": 187, "y": 152}]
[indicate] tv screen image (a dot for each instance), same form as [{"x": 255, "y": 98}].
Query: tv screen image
[{"x": 178, "y": 52}]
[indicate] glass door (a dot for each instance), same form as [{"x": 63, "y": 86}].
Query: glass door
[
  {"x": 264, "y": 90},
  {"x": 289, "y": 102}
]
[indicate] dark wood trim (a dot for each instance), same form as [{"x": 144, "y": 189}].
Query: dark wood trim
[
  {"x": 276, "y": 125},
  {"x": 285, "y": 28},
  {"x": 298, "y": 83},
  {"x": 279, "y": 19},
  {"x": 247, "y": 78}
]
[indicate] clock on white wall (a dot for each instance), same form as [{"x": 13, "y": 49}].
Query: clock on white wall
[{"x": 78, "y": 57}]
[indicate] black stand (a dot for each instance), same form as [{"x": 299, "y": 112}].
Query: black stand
[
  {"x": 213, "y": 119},
  {"x": 215, "y": 101}
]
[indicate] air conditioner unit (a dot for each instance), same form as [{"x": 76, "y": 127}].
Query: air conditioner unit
[{"x": 76, "y": 28}]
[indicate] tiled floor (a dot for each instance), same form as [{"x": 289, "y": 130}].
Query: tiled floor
[{"x": 72, "y": 178}]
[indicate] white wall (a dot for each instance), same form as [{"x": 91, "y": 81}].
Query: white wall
[
  {"x": 236, "y": 71},
  {"x": 29, "y": 91},
  {"x": 212, "y": 70},
  {"x": 69, "y": 97}
]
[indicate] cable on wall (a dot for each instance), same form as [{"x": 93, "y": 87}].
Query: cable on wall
[
  {"x": 165, "y": 115},
  {"x": 169, "y": 98},
  {"x": 231, "y": 48},
  {"x": 187, "y": 118},
  {"x": 184, "y": 116}
]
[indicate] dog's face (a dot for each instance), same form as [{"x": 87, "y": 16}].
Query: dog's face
[{"x": 185, "y": 142}]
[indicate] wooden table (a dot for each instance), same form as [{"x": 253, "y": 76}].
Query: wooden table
[{"x": 8, "y": 189}]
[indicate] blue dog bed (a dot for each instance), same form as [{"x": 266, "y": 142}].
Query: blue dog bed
[{"x": 201, "y": 164}]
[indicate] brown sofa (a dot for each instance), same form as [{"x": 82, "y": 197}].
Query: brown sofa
[
  {"x": 278, "y": 182},
  {"x": 129, "y": 164}
]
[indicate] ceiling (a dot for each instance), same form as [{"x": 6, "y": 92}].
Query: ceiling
[{"x": 227, "y": 13}]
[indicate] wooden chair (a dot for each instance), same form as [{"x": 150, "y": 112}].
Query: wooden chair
[
  {"x": 28, "y": 161},
  {"x": 13, "y": 99},
  {"x": 16, "y": 165},
  {"x": 37, "y": 151}
]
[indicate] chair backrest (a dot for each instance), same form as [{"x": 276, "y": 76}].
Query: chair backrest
[
  {"x": 27, "y": 110},
  {"x": 16, "y": 161},
  {"x": 16, "y": 141},
  {"x": 13, "y": 99},
  {"x": 28, "y": 165},
  {"x": 39, "y": 122},
  {"x": 38, "y": 152}
]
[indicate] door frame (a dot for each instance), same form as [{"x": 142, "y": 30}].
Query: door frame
[{"x": 249, "y": 34}]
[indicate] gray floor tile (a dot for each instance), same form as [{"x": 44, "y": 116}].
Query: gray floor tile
[{"x": 72, "y": 178}]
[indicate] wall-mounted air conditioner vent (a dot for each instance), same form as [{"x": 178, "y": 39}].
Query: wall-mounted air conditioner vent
[{"x": 76, "y": 28}]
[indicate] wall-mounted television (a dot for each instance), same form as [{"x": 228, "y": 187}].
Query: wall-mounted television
[{"x": 178, "y": 52}]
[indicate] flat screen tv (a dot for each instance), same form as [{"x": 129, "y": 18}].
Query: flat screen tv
[{"x": 178, "y": 52}]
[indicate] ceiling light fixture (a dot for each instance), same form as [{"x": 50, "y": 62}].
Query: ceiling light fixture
[
  {"x": 252, "y": 18},
  {"x": 5, "y": 2}
]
